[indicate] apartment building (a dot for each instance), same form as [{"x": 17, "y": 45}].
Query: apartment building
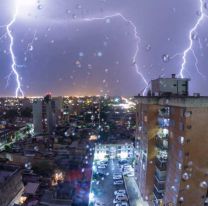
[{"x": 172, "y": 145}]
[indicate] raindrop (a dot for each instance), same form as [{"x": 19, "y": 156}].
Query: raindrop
[
  {"x": 108, "y": 21},
  {"x": 185, "y": 176},
  {"x": 194, "y": 36},
  {"x": 74, "y": 16},
  {"x": 165, "y": 58},
  {"x": 99, "y": 54},
  {"x": 106, "y": 70},
  {"x": 31, "y": 48},
  {"x": 105, "y": 43},
  {"x": 198, "y": 13},
  {"x": 148, "y": 47},
  {"x": 181, "y": 199},
  {"x": 39, "y": 6},
  {"x": 187, "y": 187},
  {"x": 68, "y": 11},
  {"x": 89, "y": 66},
  {"x": 181, "y": 140},
  {"x": 203, "y": 185},
  {"x": 78, "y": 6},
  {"x": 81, "y": 54}
]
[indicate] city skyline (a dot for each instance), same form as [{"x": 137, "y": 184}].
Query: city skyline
[{"x": 59, "y": 52}]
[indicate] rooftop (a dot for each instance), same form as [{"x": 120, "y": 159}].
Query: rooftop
[
  {"x": 7, "y": 171},
  {"x": 177, "y": 101}
]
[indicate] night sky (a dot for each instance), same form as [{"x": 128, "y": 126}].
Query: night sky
[{"x": 60, "y": 53}]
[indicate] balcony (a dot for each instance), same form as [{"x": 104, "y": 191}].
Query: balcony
[
  {"x": 163, "y": 122},
  {"x": 161, "y": 164},
  {"x": 161, "y": 143},
  {"x": 160, "y": 185},
  {"x": 164, "y": 112},
  {"x": 160, "y": 175},
  {"x": 158, "y": 195}
]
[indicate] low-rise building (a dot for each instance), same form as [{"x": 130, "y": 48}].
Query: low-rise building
[{"x": 11, "y": 186}]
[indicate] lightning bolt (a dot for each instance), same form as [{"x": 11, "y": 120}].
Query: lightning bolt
[
  {"x": 190, "y": 46},
  {"x": 19, "y": 91},
  {"x": 136, "y": 35}
]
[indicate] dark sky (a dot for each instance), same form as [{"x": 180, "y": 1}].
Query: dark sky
[{"x": 70, "y": 56}]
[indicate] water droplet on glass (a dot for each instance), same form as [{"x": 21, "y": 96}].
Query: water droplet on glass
[
  {"x": 198, "y": 13},
  {"x": 185, "y": 176},
  {"x": 39, "y": 6},
  {"x": 148, "y": 47},
  {"x": 78, "y": 6},
  {"x": 204, "y": 185},
  {"x": 181, "y": 199},
  {"x": 74, "y": 16},
  {"x": 106, "y": 70},
  {"x": 165, "y": 58},
  {"x": 194, "y": 36},
  {"x": 31, "y": 48},
  {"x": 107, "y": 20},
  {"x": 99, "y": 54}
]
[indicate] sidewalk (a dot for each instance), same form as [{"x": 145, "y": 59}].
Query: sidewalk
[{"x": 133, "y": 192}]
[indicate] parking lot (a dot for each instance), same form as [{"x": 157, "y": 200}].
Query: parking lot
[{"x": 106, "y": 181}]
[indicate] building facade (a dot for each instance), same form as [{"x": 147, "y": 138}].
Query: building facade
[
  {"x": 11, "y": 186},
  {"x": 43, "y": 115},
  {"x": 172, "y": 146}
]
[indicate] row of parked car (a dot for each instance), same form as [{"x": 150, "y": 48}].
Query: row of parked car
[{"x": 121, "y": 198}]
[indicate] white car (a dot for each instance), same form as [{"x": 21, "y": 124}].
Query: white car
[
  {"x": 101, "y": 166},
  {"x": 118, "y": 182},
  {"x": 131, "y": 174},
  {"x": 99, "y": 204},
  {"x": 115, "y": 201},
  {"x": 118, "y": 172},
  {"x": 127, "y": 167},
  {"x": 117, "y": 177},
  {"x": 123, "y": 203},
  {"x": 121, "y": 198},
  {"x": 118, "y": 192}
]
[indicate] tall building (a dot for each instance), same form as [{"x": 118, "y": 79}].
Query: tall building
[
  {"x": 172, "y": 145},
  {"x": 58, "y": 104},
  {"x": 43, "y": 115}
]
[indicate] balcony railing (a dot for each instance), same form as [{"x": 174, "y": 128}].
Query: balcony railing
[
  {"x": 164, "y": 112},
  {"x": 160, "y": 185},
  {"x": 161, "y": 143},
  {"x": 161, "y": 164},
  {"x": 161, "y": 175},
  {"x": 158, "y": 194}
]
